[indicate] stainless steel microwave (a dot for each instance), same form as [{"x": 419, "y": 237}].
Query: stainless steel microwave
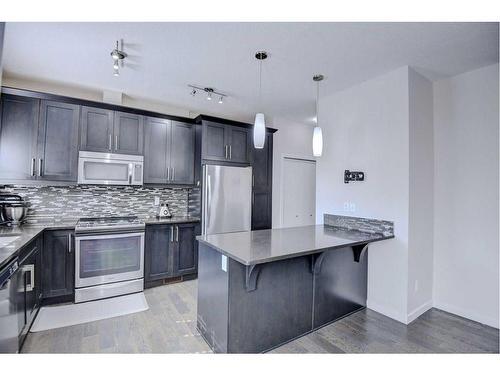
[{"x": 100, "y": 168}]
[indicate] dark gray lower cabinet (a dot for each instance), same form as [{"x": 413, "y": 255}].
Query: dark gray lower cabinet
[
  {"x": 170, "y": 251},
  {"x": 28, "y": 297},
  {"x": 58, "y": 263},
  {"x": 158, "y": 252},
  {"x": 186, "y": 252}
]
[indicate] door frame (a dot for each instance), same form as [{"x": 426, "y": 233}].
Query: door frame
[{"x": 283, "y": 158}]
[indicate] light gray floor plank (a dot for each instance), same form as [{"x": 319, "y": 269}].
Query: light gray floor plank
[{"x": 169, "y": 326}]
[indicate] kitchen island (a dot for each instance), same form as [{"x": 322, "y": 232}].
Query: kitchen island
[{"x": 258, "y": 290}]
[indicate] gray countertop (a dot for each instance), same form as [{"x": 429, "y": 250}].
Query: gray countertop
[
  {"x": 26, "y": 232},
  {"x": 172, "y": 220},
  {"x": 269, "y": 245}
]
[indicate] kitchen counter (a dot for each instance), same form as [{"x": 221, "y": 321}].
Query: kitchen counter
[
  {"x": 27, "y": 232},
  {"x": 260, "y": 289},
  {"x": 269, "y": 245},
  {"x": 24, "y": 234},
  {"x": 172, "y": 220}
]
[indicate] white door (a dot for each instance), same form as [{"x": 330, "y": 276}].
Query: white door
[{"x": 298, "y": 192}]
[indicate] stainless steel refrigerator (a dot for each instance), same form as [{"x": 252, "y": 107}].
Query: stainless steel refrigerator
[{"x": 226, "y": 199}]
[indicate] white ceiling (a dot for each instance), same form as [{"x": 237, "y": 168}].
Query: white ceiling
[{"x": 165, "y": 57}]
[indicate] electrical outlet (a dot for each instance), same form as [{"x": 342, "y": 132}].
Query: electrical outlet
[
  {"x": 157, "y": 201},
  {"x": 346, "y": 206},
  {"x": 352, "y": 207}
]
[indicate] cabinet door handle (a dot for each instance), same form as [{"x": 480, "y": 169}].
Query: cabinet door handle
[
  {"x": 173, "y": 173},
  {"x": 109, "y": 141},
  {"x": 176, "y": 233},
  {"x": 225, "y": 151},
  {"x": 168, "y": 173},
  {"x": 70, "y": 245},
  {"x": 116, "y": 142},
  {"x": 172, "y": 233},
  {"x": 33, "y": 167},
  {"x": 230, "y": 149},
  {"x": 40, "y": 167},
  {"x": 31, "y": 269}
]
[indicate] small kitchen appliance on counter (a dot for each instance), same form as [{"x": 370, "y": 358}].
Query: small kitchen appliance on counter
[
  {"x": 13, "y": 209},
  {"x": 164, "y": 211},
  {"x": 109, "y": 257}
]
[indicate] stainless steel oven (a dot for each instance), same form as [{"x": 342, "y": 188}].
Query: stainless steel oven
[
  {"x": 109, "y": 258},
  {"x": 100, "y": 168}
]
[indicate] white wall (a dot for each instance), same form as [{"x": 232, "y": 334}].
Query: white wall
[
  {"x": 366, "y": 128},
  {"x": 466, "y": 243},
  {"x": 92, "y": 94},
  {"x": 291, "y": 139},
  {"x": 421, "y": 204}
]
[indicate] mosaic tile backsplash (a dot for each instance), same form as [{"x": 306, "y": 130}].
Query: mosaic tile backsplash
[
  {"x": 360, "y": 223},
  {"x": 68, "y": 202}
]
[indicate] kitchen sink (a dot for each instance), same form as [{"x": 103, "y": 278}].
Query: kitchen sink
[{"x": 6, "y": 240}]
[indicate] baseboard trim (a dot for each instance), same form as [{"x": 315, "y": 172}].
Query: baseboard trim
[
  {"x": 486, "y": 320},
  {"x": 387, "y": 311},
  {"x": 419, "y": 311}
]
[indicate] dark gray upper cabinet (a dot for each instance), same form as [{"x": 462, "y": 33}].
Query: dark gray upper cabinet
[
  {"x": 262, "y": 185},
  {"x": 215, "y": 140},
  {"x": 58, "y": 261},
  {"x": 169, "y": 152},
  {"x": 239, "y": 145},
  {"x": 155, "y": 150},
  {"x": 96, "y": 129},
  {"x": 104, "y": 130},
  {"x": 182, "y": 153},
  {"x": 128, "y": 132},
  {"x": 18, "y": 136},
  {"x": 225, "y": 143},
  {"x": 57, "y": 150}
]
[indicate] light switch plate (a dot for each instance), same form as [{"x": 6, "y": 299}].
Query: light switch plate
[{"x": 223, "y": 265}]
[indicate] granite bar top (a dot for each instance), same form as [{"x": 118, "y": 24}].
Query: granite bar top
[
  {"x": 25, "y": 233},
  {"x": 263, "y": 246}
]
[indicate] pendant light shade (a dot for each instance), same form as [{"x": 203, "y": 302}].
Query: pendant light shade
[
  {"x": 259, "y": 131},
  {"x": 317, "y": 141},
  {"x": 259, "y": 128}
]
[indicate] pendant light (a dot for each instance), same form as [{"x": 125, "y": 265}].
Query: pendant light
[
  {"x": 317, "y": 141},
  {"x": 259, "y": 128}
]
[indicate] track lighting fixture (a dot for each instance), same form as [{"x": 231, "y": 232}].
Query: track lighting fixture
[
  {"x": 209, "y": 91},
  {"x": 117, "y": 55}
]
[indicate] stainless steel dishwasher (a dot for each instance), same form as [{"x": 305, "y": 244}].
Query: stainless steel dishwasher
[{"x": 9, "y": 329}]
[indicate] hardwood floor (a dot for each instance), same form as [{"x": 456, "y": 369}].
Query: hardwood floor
[{"x": 169, "y": 326}]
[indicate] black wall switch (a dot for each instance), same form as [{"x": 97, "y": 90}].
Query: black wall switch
[{"x": 353, "y": 176}]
